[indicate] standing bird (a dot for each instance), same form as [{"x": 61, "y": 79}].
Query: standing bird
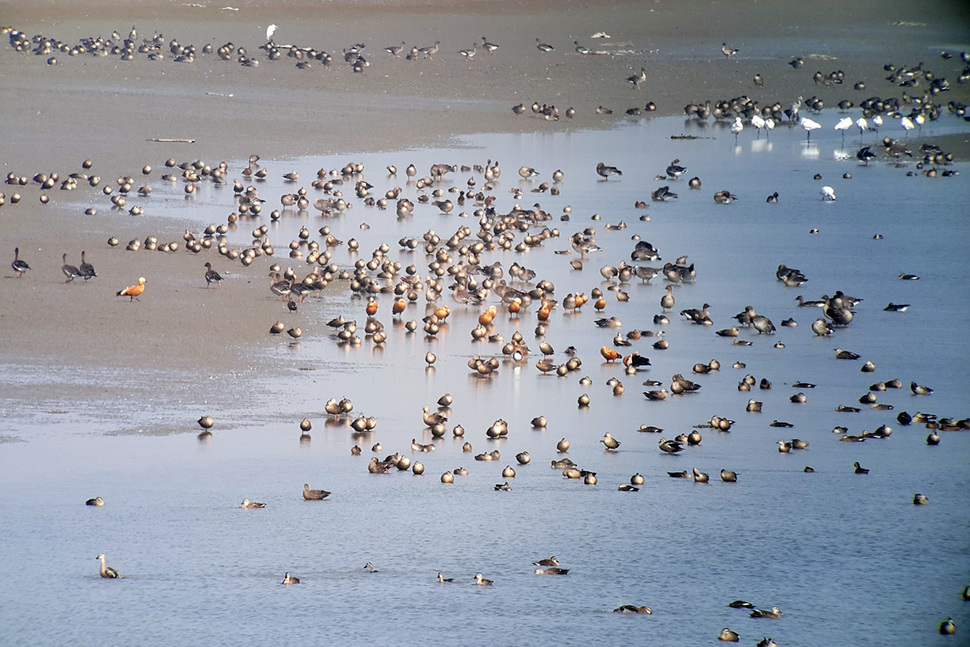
[
  {"x": 727, "y": 51},
  {"x": 18, "y": 265},
  {"x": 269, "y": 33},
  {"x": 639, "y": 78},
  {"x": 605, "y": 171},
  {"x": 70, "y": 271},
  {"x": 737, "y": 127},
  {"x": 211, "y": 276},
  {"x": 844, "y": 124},
  {"x": 106, "y": 571},
  {"x": 545, "y": 49},
  {"x": 865, "y": 154},
  {"x": 667, "y": 300},
  {"x": 809, "y": 125},
  {"x": 488, "y": 47},
  {"x": 86, "y": 269},
  {"x": 133, "y": 291}
]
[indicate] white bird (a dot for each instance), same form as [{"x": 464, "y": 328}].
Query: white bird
[
  {"x": 844, "y": 124},
  {"x": 758, "y": 122},
  {"x": 907, "y": 124},
  {"x": 269, "y": 32},
  {"x": 736, "y": 128},
  {"x": 828, "y": 194},
  {"x": 809, "y": 125},
  {"x": 769, "y": 126},
  {"x": 877, "y": 121},
  {"x": 862, "y": 125},
  {"x": 920, "y": 120}
]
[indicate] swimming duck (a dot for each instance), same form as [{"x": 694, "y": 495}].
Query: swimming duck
[
  {"x": 845, "y": 354},
  {"x": 729, "y": 476},
  {"x": 370, "y": 568},
  {"x": 729, "y": 636},
  {"x": 481, "y": 581},
  {"x": 919, "y": 499},
  {"x": 919, "y": 390},
  {"x": 314, "y": 495},
  {"x": 19, "y": 266},
  {"x": 96, "y": 501},
  {"x": 947, "y": 627},
  {"x": 443, "y": 580},
  {"x": 290, "y": 579},
  {"x": 859, "y": 469},
  {"x": 252, "y": 505},
  {"x": 552, "y": 570},
  {"x": 551, "y": 561},
  {"x": 700, "y": 477},
  {"x": 630, "y": 608},
  {"x": 106, "y": 571},
  {"x": 773, "y": 613},
  {"x": 670, "y": 446}
]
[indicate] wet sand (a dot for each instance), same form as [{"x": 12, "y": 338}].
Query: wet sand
[{"x": 56, "y": 116}]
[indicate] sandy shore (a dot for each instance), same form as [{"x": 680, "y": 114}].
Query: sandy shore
[{"x": 107, "y": 110}]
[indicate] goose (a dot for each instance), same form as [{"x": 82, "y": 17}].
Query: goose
[
  {"x": 86, "y": 269},
  {"x": 106, "y": 571},
  {"x": 491, "y": 48},
  {"x": 638, "y": 78},
  {"x": 395, "y": 50},
  {"x": 544, "y": 47},
  {"x": 70, "y": 271},
  {"x": 605, "y": 171},
  {"x": 581, "y": 49},
  {"x": 19, "y": 266},
  {"x": 211, "y": 276}
]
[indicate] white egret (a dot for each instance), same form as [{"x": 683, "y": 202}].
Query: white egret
[{"x": 269, "y": 33}]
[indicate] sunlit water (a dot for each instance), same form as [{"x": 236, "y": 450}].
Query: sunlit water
[{"x": 848, "y": 558}]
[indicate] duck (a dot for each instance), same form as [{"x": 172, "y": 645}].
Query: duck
[
  {"x": 845, "y": 354},
  {"x": 773, "y": 613},
  {"x": 551, "y": 561},
  {"x": 741, "y": 604},
  {"x": 19, "y": 266},
  {"x": 729, "y": 476},
  {"x": 545, "y": 48},
  {"x": 610, "y": 442},
  {"x": 481, "y": 581},
  {"x": 947, "y": 627},
  {"x": 70, "y": 271},
  {"x": 919, "y": 499},
  {"x": 211, "y": 276},
  {"x": 670, "y": 446},
  {"x": 552, "y": 570},
  {"x": 314, "y": 495},
  {"x": 728, "y": 636},
  {"x": 700, "y": 477},
  {"x": 675, "y": 170},
  {"x": 918, "y": 389},
  {"x": 252, "y": 505},
  {"x": 370, "y": 568},
  {"x": 630, "y": 608},
  {"x": 444, "y": 580},
  {"x": 96, "y": 501},
  {"x": 290, "y": 579},
  {"x": 859, "y": 469},
  {"x": 107, "y": 572},
  {"x": 133, "y": 291}
]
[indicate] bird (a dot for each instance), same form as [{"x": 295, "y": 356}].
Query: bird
[
  {"x": 552, "y": 570},
  {"x": 86, "y": 269},
  {"x": 845, "y": 354},
  {"x": 859, "y": 469},
  {"x": 700, "y": 477},
  {"x": 729, "y": 476},
  {"x": 491, "y": 48},
  {"x": 269, "y": 33},
  {"x": 729, "y": 636},
  {"x": 211, "y": 276},
  {"x": 919, "y": 499},
  {"x": 675, "y": 170},
  {"x": 107, "y": 572},
  {"x": 808, "y": 125},
  {"x": 827, "y": 193},
  {"x": 252, "y": 505},
  {"x": 605, "y": 171},
  {"x": 630, "y": 608},
  {"x": 843, "y": 125},
  {"x": 314, "y": 495},
  {"x": 133, "y": 291},
  {"x": 865, "y": 154},
  {"x": 96, "y": 501},
  {"x": 19, "y": 266},
  {"x": 395, "y": 51},
  {"x": 70, "y": 271},
  {"x": 638, "y": 78},
  {"x": 896, "y": 307},
  {"x": 581, "y": 49},
  {"x": 290, "y": 579},
  {"x": 481, "y": 581},
  {"x": 741, "y": 604},
  {"x": 545, "y": 48},
  {"x": 550, "y": 561},
  {"x": 442, "y": 579},
  {"x": 947, "y": 627},
  {"x": 728, "y": 51},
  {"x": 919, "y": 389},
  {"x": 370, "y": 568},
  {"x": 667, "y": 300},
  {"x": 772, "y": 613},
  {"x": 737, "y": 127},
  {"x": 670, "y": 446},
  {"x": 610, "y": 442}
]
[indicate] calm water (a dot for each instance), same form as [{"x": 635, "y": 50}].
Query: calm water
[{"x": 849, "y": 559}]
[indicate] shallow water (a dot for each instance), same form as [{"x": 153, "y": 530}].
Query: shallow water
[{"x": 849, "y": 559}]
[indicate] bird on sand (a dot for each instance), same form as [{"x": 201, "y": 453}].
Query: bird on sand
[
  {"x": 19, "y": 266},
  {"x": 211, "y": 276},
  {"x": 70, "y": 271},
  {"x": 86, "y": 269},
  {"x": 106, "y": 571},
  {"x": 133, "y": 291},
  {"x": 728, "y": 51}
]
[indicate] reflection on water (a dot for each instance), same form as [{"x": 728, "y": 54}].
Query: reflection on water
[{"x": 197, "y": 568}]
